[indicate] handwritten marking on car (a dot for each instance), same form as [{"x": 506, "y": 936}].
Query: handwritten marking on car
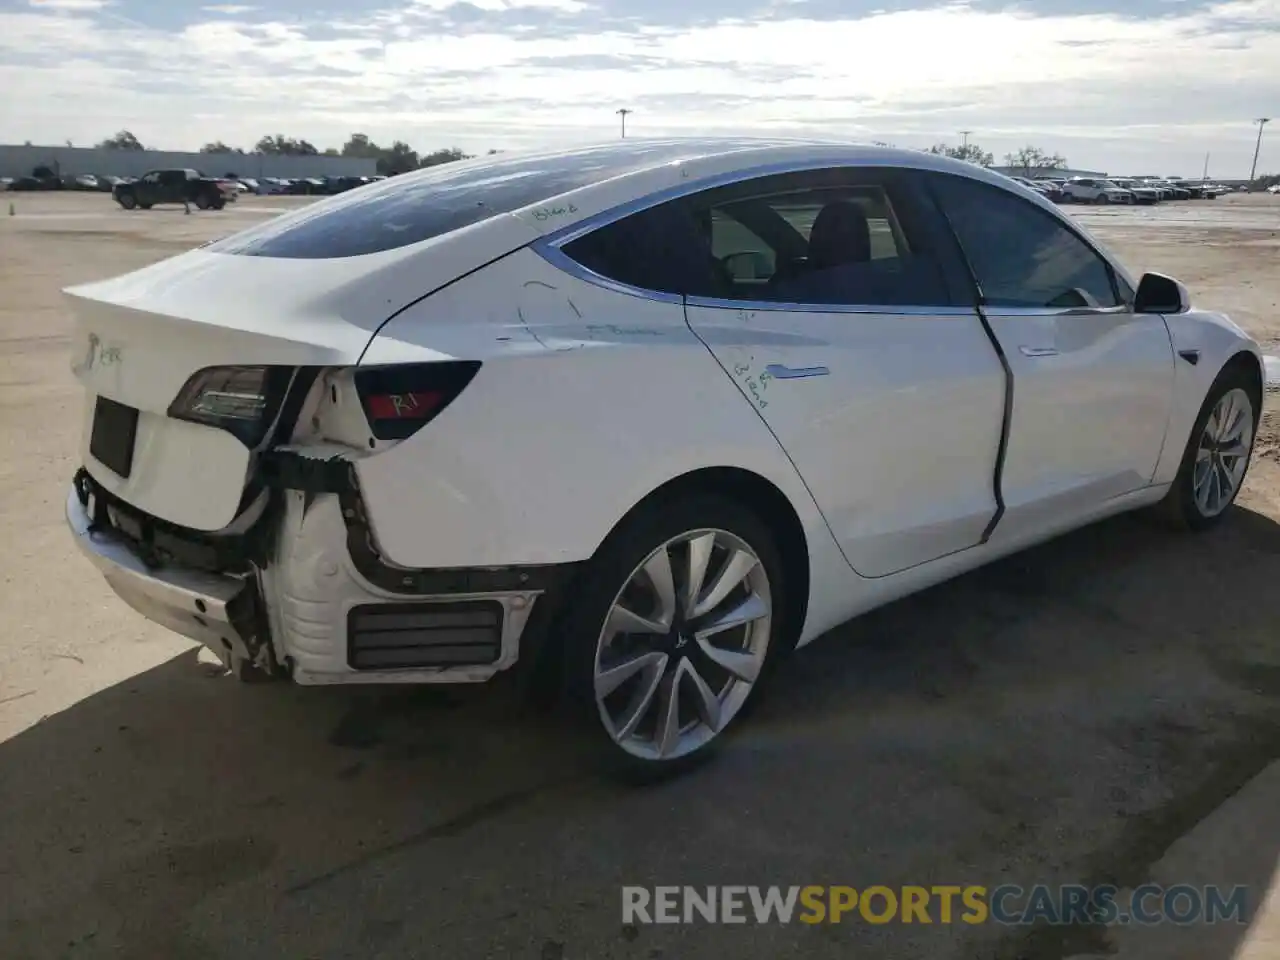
[
  {"x": 547, "y": 213},
  {"x": 754, "y": 383}
]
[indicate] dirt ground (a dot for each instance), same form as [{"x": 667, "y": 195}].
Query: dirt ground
[{"x": 1083, "y": 713}]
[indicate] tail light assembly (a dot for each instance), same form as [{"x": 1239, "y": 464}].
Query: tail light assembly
[
  {"x": 243, "y": 401},
  {"x": 400, "y": 400}
]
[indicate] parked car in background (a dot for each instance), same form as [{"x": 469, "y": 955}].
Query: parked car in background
[
  {"x": 6, "y": 183},
  {"x": 175, "y": 186},
  {"x": 1092, "y": 190},
  {"x": 250, "y": 185},
  {"x": 309, "y": 445},
  {"x": 41, "y": 178},
  {"x": 1052, "y": 188},
  {"x": 1198, "y": 189},
  {"x": 85, "y": 181},
  {"x": 1169, "y": 190},
  {"x": 1142, "y": 193},
  {"x": 1274, "y": 188}
]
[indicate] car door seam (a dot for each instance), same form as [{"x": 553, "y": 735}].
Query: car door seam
[
  {"x": 979, "y": 307},
  {"x": 776, "y": 439}
]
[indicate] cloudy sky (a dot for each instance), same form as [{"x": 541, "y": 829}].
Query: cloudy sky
[{"x": 1143, "y": 86}]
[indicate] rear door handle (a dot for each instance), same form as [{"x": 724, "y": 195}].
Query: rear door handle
[
  {"x": 781, "y": 371},
  {"x": 1038, "y": 351}
]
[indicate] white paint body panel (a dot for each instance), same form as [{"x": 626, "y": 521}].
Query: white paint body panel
[
  {"x": 588, "y": 399},
  {"x": 897, "y": 440},
  {"x": 1091, "y": 405}
]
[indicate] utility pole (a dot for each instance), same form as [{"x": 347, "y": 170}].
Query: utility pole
[
  {"x": 965, "y": 134},
  {"x": 1205, "y": 176},
  {"x": 623, "y": 114},
  {"x": 1261, "y": 122}
]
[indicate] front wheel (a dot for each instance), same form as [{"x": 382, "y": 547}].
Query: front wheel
[
  {"x": 127, "y": 200},
  {"x": 673, "y": 628},
  {"x": 1217, "y": 455}
]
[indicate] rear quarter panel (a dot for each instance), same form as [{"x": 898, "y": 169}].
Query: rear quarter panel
[{"x": 588, "y": 399}]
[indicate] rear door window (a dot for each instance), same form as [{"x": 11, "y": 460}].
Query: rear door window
[{"x": 418, "y": 206}]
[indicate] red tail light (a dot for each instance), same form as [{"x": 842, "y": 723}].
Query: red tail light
[
  {"x": 399, "y": 400},
  {"x": 241, "y": 400}
]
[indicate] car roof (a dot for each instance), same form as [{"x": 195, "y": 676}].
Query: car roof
[{"x": 555, "y": 190}]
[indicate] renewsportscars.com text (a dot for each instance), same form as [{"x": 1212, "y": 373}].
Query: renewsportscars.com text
[{"x": 1007, "y": 904}]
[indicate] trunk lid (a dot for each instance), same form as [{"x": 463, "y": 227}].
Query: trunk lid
[{"x": 138, "y": 338}]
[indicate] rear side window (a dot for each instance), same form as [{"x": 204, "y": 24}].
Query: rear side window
[
  {"x": 1022, "y": 256},
  {"x": 429, "y": 203},
  {"x": 831, "y": 236}
]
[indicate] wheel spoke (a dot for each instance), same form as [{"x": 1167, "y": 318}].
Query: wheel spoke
[
  {"x": 668, "y": 733},
  {"x": 1237, "y": 449},
  {"x": 743, "y": 665},
  {"x": 1203, "y": 477},
  {"x": 1215, "y": 488},
  {"x": 750, "y": 609},
  {"x": 733, "y": 573},
  {"x": 658, "y": 568},
  {"x": 699, "y": 556},
  {"x": 623, "y": 620},
  {"x": 707, "y": 704},
  {"x": 641, "y": 699},
  {"x": 1226, "y": 413},
  {"x": 611, "y": 678}
]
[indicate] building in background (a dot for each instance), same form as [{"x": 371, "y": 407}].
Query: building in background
[
  {"x": 1063, "y": 173},
  {"x": 19, "y": 161}
]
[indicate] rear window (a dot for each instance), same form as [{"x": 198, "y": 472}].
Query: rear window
[{"x": 428, "y": 203}]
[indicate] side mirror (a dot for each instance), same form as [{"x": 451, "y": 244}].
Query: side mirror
[{"x": 1160, "y": 294}]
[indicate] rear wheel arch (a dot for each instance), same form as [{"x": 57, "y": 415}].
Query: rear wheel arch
[
  {"x": 768, "y": 503},
  {"x": 541, "y": 662}
]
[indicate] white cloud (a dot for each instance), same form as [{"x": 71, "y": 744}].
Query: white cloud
[
  {"x": 74, "y": 5},
  {"x": 230, "y": 9},
  {"x": 1107, "y": 91}
]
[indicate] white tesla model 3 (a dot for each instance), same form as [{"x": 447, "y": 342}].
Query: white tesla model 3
[{"x": 643, "y": 416}]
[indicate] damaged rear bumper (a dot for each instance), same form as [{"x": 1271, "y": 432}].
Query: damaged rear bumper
[
  {"x": 212, "y": 609},
  {"x": 304, "y": 593}
]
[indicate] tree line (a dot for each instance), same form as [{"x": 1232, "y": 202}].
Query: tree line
[{"x": 397, "y": 158}]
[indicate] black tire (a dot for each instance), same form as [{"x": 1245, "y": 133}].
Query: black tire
[
  {"x": 1179, "y": 508},
  {"x": 127, "y": 200},
  {"x": 203, "y": 202},
  {"x": 219, "y": 204},
  {"x": 144, "y": 206},
  {"x": 600, "y": 584}
]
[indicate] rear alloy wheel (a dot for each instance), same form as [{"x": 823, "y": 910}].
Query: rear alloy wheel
[
  {"x": 1217, "y": 455},
  {"x": 203, "y": 202},
  {"x": 672, "y": 633}
]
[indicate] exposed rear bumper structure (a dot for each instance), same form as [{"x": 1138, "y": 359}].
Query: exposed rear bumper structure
[
  {"x": 205, "y": 607},
  {"x": 305, "y": 607}
]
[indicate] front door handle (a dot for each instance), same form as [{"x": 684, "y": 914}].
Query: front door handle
[{"x": 1038, "y": 351}]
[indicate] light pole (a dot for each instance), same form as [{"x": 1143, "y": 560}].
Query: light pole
[
  {"x": 965, "y": 134},
  {"x": 623, "y": 114},
  {"x": 1262, "y": 123}
]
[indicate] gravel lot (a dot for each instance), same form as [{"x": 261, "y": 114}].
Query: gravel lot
[{"x": 1064, "y": 716}]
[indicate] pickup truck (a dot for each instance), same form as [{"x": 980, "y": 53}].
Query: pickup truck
[{"x": 175, "y": 186}]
